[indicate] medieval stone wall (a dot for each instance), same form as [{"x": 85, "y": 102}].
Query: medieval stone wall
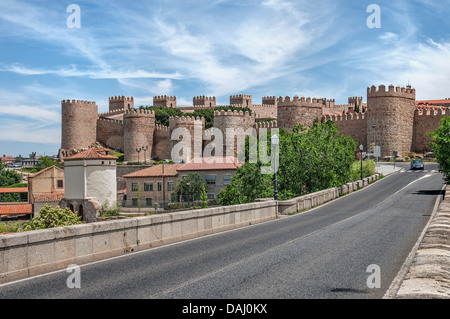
[
  {"x": 426, "y": 120},
  {"x": 188, "y": 137},
  {"x": 110, "y": 133},
  {"x": 161, "y": 142},
  {"x": 353, "y": 125},
  {"x": 298, "y": 111}
]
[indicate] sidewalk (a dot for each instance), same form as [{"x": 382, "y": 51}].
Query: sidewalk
[{"x": 388, "y": 169}]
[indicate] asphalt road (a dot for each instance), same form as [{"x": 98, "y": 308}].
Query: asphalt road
[{"x": 322, "y": 253}]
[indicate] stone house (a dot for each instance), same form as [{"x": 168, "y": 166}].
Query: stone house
[
  {"x": 155, "y": 184},
  {"x": 46, "y": 187},
  {"x": 215, "y": 172}
]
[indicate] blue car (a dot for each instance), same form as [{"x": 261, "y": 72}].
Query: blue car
[{"x": 417, "y": 164}]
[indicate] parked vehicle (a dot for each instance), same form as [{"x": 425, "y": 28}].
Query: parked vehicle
[{"x": 417, "y": 164}]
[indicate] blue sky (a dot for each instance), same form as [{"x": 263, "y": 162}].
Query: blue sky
[{"x": 207, "y": 47}]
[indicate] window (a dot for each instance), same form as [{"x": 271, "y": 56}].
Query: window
[
  {"x": 159, "y": 187},
  {"x": 210, "y": 179},
  {"x": 148, "y": 187},
  {"x": 226, "y": 179},
  {"x": 134, "y": 201},
  {"x": 134, "y": 187},
  {"x": 170, "y": 186},
  {"x": 210, "y": 196},
  {"x": 148, "y": 202},
  {"x": 60, "y": 183}
]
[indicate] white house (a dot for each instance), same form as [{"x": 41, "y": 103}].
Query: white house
[{"x": 90, "y": 182}]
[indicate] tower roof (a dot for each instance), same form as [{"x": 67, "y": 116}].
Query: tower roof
[{"x": 91, "y": 153}]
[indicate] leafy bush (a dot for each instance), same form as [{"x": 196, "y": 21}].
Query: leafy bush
[
  {"x": 11, "y": 227},
  {"x": 369, "y": 169},
  {"x": 441, "y": 146},
  {"x": 52, "y": 216},
  {"x": 110, "y": 210}
]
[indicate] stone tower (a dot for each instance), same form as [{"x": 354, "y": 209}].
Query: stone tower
[
  {"x": 120, "y": 102},
  {"x": 78, "y": 124},
  {"x": 138, "y": 130},
  {"x": 298, "y": 111},
  {"x": 186, "y": 142},
  {"x": 245, "y": 100},
  {"x": 390, "y": 118},
  {"x": 237, "y": 123},
  {"x": 202, "y": 101},
  {"x": 164, "y": 100}
]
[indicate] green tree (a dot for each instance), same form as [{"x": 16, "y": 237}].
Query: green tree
[
  {"x": 441, "y": 146},
  {"x": 9, "y": 177},
  {"x": 309, "y": 161},
  {"x": 190, "y": 187},
  {"x": 204, "y": 198},
  {"x": 45, "y": 162},
  {"x": 52, "y": 216}
]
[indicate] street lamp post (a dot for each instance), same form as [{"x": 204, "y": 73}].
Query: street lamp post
[
  {"x": 145, "y": 149},
  {"x": 138, "y": 150},
  {"x": 275, "y": 140},
  {"x": 361, "y": 147}
]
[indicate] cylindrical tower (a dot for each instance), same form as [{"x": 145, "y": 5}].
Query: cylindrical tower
[
  {"x": 138, "y": 130},
  {"x": 298, "y": 111},
  {"x": 390, "y": 118},
  {"x": 235, "y": 123},
  {"x": 186, "y": 137},
  {"x": 78, "y": 124}
]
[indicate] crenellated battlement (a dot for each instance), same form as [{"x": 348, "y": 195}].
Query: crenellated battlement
[
  {"x": 302, "y": 101},
  {"x": 204, "y": 98},
  {"x": 186, "y": 120},
  {"x": 233, "y": 113},
  {"x": 269, "y": 124},
  {"x": 164, "y": 98},
  {"x": 83, "y": 102},
  {"x": 404, "y": 92},
  {"x": 139, "y": 112},
  {"x": 160, "y": 127},
  {"x": 241, "y": 96},
  {"x": 121, "y": 99},
  {"x": 105, "y": 119},
  {"x": 344, "y": 117},
  {"x": 426, "y": 111},
  {"x": 111, "y": 113}
]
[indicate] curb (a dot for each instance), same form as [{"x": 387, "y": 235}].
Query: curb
[{"x": 396, "y": 285}]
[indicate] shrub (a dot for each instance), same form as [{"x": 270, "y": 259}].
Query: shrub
[
  {"x": 52, "y": 216},
  {"x": 369, "y": 169}
]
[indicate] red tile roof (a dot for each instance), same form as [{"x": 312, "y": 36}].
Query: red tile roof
[
  {"x": 213, "y": 163},
  {"x": 48, "y": 197},
  {"x": 90, "y": 153},
  {"x": 14, "y": 190},
  {"x": 15, "y": 209},
  {"x": 156, "y": 171}
]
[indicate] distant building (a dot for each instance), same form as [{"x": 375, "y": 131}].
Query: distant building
[
  {"x": 216, "y": 172},
  {"x": 155, "y": 183},
  {"x": 90, "y": 182},
  {"x": 7, "y": 159},
  {"x": 46, "y": 187}
]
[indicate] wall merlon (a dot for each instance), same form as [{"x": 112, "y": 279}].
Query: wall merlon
[{"x": 406, "y": 92}]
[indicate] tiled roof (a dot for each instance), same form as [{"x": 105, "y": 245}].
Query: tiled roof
[
  {"x": 156, "y": 171},
  {"x": 48, "y": 197},
  {"x": 211, "y": 164},
  {"x": 14, "y": 190},
  {"x": 15, "y": 209},
  {"x": 91, "y": 153},
  {"x": 433, "y": 102}
]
